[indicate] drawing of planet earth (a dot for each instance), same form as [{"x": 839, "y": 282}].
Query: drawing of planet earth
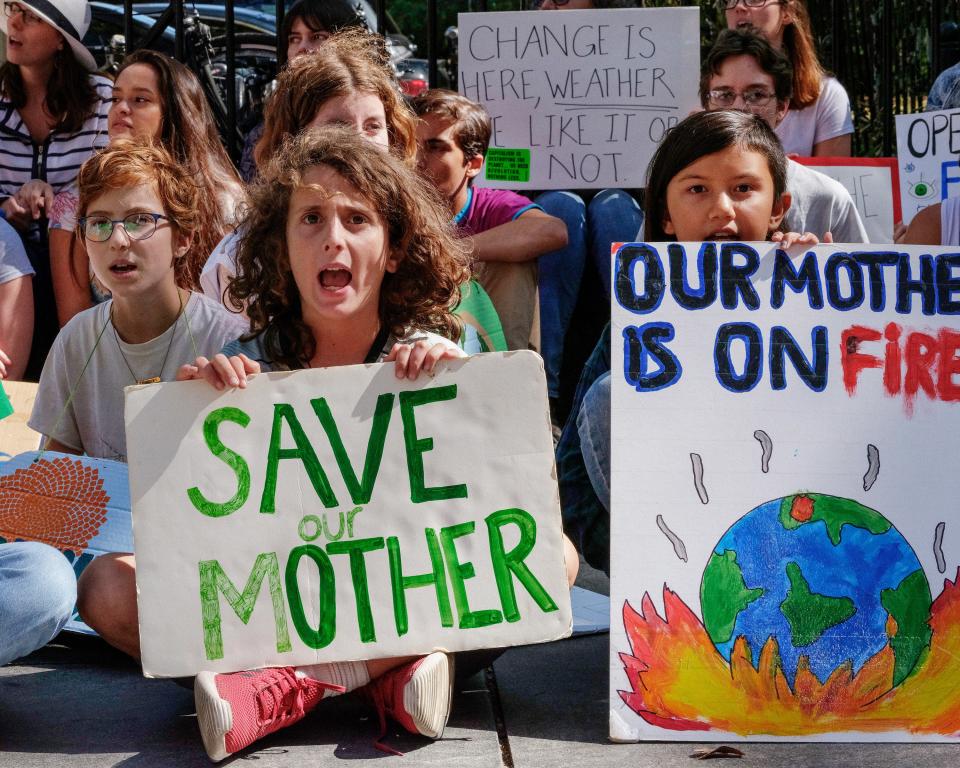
[{"x": 827, "y": 577}]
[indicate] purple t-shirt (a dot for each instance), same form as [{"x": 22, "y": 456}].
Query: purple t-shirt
[{"x": 488, "y": 208}]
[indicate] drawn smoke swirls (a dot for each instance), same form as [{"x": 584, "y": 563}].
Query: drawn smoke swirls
[
  {"x": 697, "y": 464},
  {"x": 767, "y": 445}
]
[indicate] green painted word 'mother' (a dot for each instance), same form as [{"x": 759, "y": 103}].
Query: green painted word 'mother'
[
  {"x": 361, "y": 488},
  {"x": 447, "y": 574}
]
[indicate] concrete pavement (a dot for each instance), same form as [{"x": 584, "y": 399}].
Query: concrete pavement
[{"x": 78, "y": 703}]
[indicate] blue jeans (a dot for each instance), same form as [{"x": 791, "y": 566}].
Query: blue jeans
[
  {"x": 593, "y": 424},
  {"x": 583, "y": 460},
  {"x": 612, "y": 216},
  {"x": 38, "y": 590}
]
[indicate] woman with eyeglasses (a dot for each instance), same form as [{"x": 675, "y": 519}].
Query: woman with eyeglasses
[
  {"x": 743, "y": 71},
  {"x": 138, "y": 219},
  {"x": 53, "y": 115},
  {"x": 819, "y": 121}
]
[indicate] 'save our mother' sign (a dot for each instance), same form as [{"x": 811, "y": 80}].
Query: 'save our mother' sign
[{"x": 341, "y": 514}]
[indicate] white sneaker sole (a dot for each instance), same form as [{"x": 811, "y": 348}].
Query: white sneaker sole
[
  {"x": 213, "y": 716},
  {"x": 429, "y": 694}
]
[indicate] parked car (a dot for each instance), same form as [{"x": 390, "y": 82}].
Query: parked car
[{"x": 255, "y": 46}]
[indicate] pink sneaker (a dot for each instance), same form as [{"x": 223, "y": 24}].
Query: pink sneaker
[
  {"x": 417, "y": 695},
  {"x": 235, "y": 710}
]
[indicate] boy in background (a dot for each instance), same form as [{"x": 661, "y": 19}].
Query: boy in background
[
  {"x": 743, "y": 71},
  {"x": 507, "y": 231}
]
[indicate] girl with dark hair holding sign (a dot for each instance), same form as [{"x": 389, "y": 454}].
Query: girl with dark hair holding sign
[{"x": 716, "y": 176}]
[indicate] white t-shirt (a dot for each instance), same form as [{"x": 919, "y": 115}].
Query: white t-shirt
[
  {"x": 820, "y": 204},
  {"x": 950, "y": 221},
  {"x": 828, "y": 117},
  {"x": 221, "y": 267},
  {"x": 93, "y": 421}
]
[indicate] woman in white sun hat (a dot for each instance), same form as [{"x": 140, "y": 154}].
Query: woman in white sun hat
[{"x": 53, "y": 116}]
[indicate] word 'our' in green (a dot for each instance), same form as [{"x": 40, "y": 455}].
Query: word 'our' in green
[
  {"x": 447, "y": 574},
  {"x": 360, "y": 489}
]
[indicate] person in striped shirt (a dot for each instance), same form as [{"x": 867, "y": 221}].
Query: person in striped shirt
[{"x": 53, "y": 116}]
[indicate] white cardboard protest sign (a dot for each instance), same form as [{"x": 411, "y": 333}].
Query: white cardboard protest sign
[
  {"x": 874, "y": 185},
  {"x": 580, "y": 99},
  {"x": 784, "y": 547},
  {"x": 343, "y": 514},
  {"x": 928, "y": 151}
]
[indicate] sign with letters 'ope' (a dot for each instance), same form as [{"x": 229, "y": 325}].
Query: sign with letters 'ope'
[
  {"x": 342, "y": 514},
  {"x": 578, "y": 100},
  {"x": 784, "y": 541},
  {"x": 928, "y": 150}
]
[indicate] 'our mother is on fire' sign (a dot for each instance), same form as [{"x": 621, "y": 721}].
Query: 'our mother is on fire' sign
[{"x": 341, "y": 514}]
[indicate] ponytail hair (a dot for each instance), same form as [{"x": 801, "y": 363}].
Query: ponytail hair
[{"x": 799, "y": 47}]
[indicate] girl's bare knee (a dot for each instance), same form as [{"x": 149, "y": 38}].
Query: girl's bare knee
[{"x": 107, "y": 589}]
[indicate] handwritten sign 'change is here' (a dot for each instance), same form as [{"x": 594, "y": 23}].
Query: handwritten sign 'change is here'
[{"x": 579, "y": 99}]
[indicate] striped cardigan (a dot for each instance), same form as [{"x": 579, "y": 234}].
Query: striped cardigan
[{"x": 58, "y": 159}]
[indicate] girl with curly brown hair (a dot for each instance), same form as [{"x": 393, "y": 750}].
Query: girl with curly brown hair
[
  {"x": 392, "y": 266},
  {"x": 347, "y": 81},
  {"x": 346, "y": 258}
]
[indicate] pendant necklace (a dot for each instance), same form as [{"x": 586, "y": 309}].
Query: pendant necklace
[{"x": 152, "y": 379}]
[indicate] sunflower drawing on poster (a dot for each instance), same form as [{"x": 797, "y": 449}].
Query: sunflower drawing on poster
[
  {"x": 784, "y": 550},
  {"x": 76, "y": 504}
]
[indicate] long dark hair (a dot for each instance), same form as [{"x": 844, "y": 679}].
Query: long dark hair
[
  {"x": 800, "y": 48},
  {"x": 321, "y": 16},
  {"x": 71, "y": 97},
  {"x": 699, "y": 135},
  {"x": 189, "y": 133}
]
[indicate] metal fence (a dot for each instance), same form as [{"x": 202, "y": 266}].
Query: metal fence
[{"x": 885, "y": 52}]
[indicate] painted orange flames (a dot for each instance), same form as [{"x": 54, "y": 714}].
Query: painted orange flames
[{"x": 681, "y": 682}]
